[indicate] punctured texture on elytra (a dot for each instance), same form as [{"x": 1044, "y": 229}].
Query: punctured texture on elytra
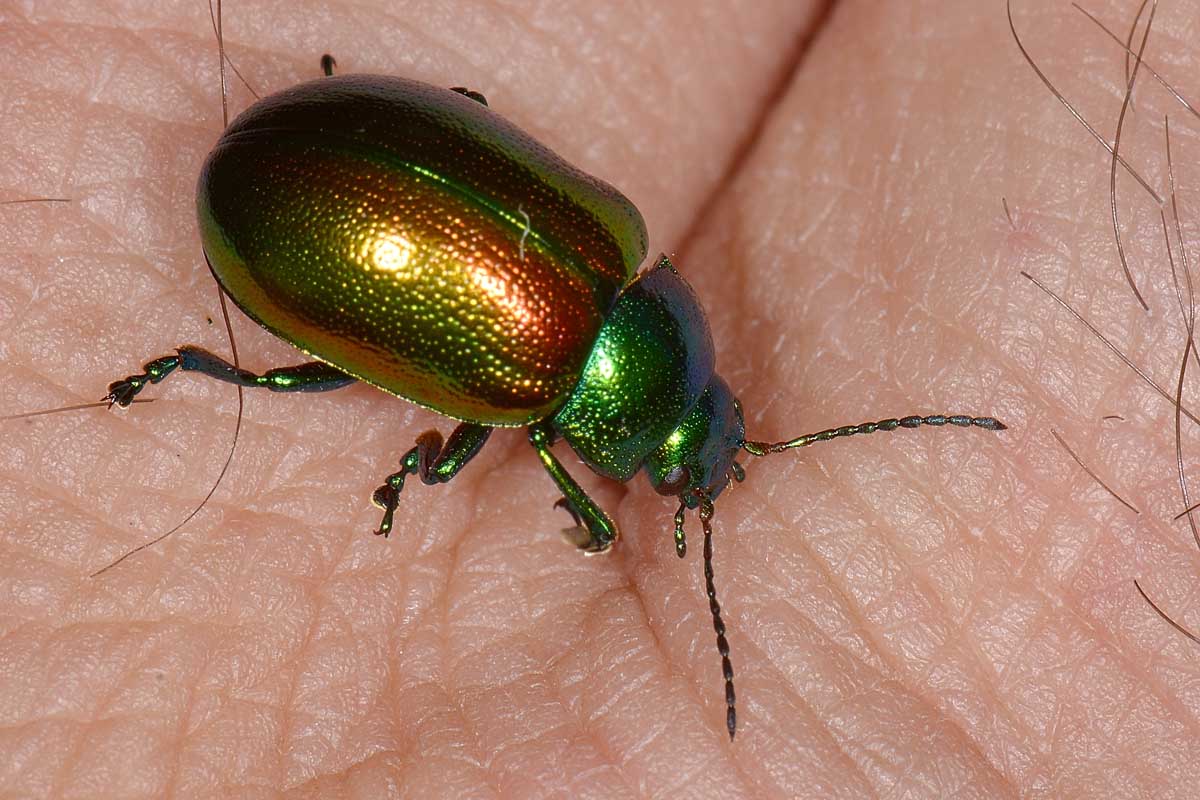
[{"x": 419, "y": 242}]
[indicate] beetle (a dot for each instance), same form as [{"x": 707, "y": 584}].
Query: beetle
[{"x": 408, "y": 237}]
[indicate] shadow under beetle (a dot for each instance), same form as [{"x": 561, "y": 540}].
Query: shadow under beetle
[{"x": 408, "y": 237}]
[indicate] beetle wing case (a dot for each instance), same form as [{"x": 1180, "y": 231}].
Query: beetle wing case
[{"x": 413, "y": 238}]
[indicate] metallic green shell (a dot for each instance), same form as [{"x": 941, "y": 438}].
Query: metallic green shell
[
  {"x": 650, "y": 365},
  {"x": 413, "y": 238}
]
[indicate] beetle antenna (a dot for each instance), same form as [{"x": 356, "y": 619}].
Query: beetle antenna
[
  {"x": 706, "y": 513},
  {"x": 680, "y": 536},
  {"x": 890, "y": 424}
]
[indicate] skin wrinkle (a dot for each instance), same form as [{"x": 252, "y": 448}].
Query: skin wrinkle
[
  {"x": 65, "y": 499},
  {"x": 825, "y": 722},
  {"x": 585, "y": 731},
  {"x": 866, "y": 693},
  {"x": 702, "y": 695},
  {"x": 520, "y": 744},
  {"x": 287, "y": 719},
  {"x": 744, "y": 149},
  {"x": 121, "y": 688},
  {"x": 390, "y": 645},
  {"x": 850, "y": 611},
  {"x": 132, "y": 111},
  {"x": 469, "y": 736},
  {"x": 590, "y": 732},
  {"x": 173, "y": 770},
  {"x": 832, "y": 571},
  {"x": 1112, "y": 650},
  {"x": 603, "y": 744},
  {"x": 966, "y": 645}
]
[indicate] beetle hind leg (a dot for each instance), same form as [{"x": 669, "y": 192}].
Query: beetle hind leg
[
  {"x": 433, "y": 462},
  {"x": 314, "y": 376}
]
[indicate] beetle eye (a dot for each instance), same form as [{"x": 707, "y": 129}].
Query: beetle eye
[{"x": 675, "y": 482}]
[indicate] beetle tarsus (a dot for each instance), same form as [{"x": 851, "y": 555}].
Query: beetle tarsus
[
  {"x": 417, "y": 461},
  {"x": 386, "y": 497},
  {"x": 122, "y": 392},
  {"x": 433, "y": 461}
]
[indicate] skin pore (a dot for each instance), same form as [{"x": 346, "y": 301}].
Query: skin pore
[{"x": 927, "y": 614}]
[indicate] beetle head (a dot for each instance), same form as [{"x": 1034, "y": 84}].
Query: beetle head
[
  {"x": 695, "y": 464},
  {"x": 697, "y": 459}
]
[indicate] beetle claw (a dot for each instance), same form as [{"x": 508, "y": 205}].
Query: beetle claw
[
  {"x": 565, "y": 504},
  {"x": 121, "y": 393},
  {"x": 386, "y": 497}
]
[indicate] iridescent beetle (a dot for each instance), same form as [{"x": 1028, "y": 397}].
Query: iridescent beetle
[{"x": 408, "y": 237}]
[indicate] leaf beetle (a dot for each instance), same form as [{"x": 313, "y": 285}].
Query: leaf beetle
[{"x": 408, "y": 237}]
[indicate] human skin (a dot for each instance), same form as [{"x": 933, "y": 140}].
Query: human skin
[{"x": 915, "y": 614}]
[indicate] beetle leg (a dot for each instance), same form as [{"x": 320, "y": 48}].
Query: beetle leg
[
  {"x": 433, "y": 462},
  {"x": 314, "y": 376},
  {"x": 476, "y": 96},
  {"x": 598, "y": 531}
]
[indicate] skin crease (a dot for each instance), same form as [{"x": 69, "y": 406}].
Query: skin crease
[{"x": 928, "y": 614}]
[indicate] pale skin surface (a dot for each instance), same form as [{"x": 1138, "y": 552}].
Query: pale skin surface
[{"x": 927, "y": 615}]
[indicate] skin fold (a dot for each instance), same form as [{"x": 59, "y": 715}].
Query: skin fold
[{"x": 920, "y": 614}]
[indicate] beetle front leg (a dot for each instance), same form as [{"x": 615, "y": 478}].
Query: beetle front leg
[
  {"x": 433, "y": 462},
  {"x": 601, "y": 531}
]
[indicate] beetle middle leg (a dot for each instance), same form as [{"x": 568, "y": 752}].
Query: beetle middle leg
[
  {"x": 432, "y": 462},
  {"x": 315, "y": 376}
]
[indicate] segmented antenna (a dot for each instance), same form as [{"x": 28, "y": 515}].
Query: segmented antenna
[
  {"x": 680, "y": 536},
  {"x": 706, "y": 512},
  {"x": 891, "y": 424}
]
